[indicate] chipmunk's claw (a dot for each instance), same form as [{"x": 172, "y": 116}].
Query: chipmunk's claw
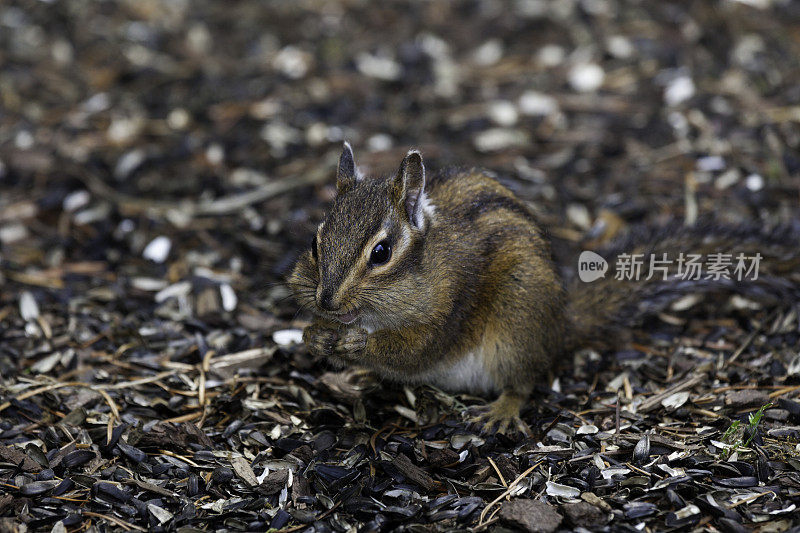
[
  {"x": 500, "y": 416},
  {"x": 490, "y": 423},
  {"x": 351, "y": 343},
  {"x": 320, "y": 340},
  {"x": 345, "y": 344}
]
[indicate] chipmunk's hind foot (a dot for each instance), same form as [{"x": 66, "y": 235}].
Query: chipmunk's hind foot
[{"x": 501, "y": 416}]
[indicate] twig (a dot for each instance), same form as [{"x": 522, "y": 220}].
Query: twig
[
  {"x": 181, "y": 457},
  {"x": 643, "y": 472},
  {"x": 303, "y": 526},
  {"x": 374, "y": 438},
  {"x": 184, "y": 418},
  {"x": 220, "y": 206},
  {"x": 135, "y": 382},
  {"x": 127, "y": 526},
  {"x": 236, "y": 202},
  {"x": 507, "y": 491},
  {"x": 742, "y": 348},
  {"x": 47, "y": 388},
  {"x": 499, "y": 474},
  {"x": 704, "y": 412},
  {"x": 626, "y": 383},
  {"x": 690, "y": 199},
  {"x": 785, "y": 390},
  {"x": 114, "y": 413},
  {"x": 552, "y": 424},
  {"x": 201, "y": 391},
  {"x": 203, "y": 416},
  {"x": 654, "y": 401},
  {"x": 750, "y": 499},
  {"x": 483, "y": 526}
]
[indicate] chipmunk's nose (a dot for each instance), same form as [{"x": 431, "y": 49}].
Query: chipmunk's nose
[{"x": 325, "y": 299}]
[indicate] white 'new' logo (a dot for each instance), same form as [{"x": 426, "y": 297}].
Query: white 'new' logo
[{"x": 591, "y": 266}]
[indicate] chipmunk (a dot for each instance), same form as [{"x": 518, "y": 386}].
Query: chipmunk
[{"x": 448, "y": 279}]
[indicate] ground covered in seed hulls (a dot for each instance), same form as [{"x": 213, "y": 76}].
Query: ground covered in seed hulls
[{"x": 162, "y": 163}]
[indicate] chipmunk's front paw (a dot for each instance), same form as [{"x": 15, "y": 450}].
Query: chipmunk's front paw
[
  {"x": 351, "y": 343},
  {"x": 500, "y": 416},
  {"x": 320, "y": 340}
]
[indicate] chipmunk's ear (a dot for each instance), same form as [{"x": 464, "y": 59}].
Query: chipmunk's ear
[
  {"x": 346, "y": 173},
  {"x": 408, "y": 190}
]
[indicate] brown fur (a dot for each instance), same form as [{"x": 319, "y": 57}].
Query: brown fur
[
  {"x": 472, "y": 275},
  {"x": 477, "y": 276}
]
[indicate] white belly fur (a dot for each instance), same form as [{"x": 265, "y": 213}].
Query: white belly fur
[{"x": 466, "y": 375}]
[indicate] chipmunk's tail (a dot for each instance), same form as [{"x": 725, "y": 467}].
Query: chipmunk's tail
[{"x": 757, "y": 263}]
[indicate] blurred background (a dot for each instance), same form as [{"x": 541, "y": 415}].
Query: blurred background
[
  {"x": 163, "y": 163},
  {"x": 148, "y": 143}
]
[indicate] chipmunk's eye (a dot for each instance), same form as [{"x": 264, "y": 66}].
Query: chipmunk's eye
[
  {"x": 314, "y": 247},
  {"x": 381, "y": 253}
]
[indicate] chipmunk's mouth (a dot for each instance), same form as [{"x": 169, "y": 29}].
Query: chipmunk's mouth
[{"x": 349, "y": 317}]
